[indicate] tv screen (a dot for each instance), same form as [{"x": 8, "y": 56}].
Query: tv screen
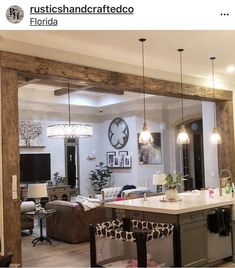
[{"x": 35, "y": 167}]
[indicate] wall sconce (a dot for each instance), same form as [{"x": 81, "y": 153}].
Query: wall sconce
[{"x": 92, "y": 156}]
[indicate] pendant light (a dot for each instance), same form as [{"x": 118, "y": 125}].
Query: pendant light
[
  {"x": 69, "y": 130},
  {"x": 183, "y": 137},
  {"x": 145, "y": 135},
  {"x": 215, "y": 137}
]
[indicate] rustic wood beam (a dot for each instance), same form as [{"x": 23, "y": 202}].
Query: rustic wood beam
[
  {"x": 62, "y": 91},
  {"x": 25, "y": 83},
  {"x": 224, "y": 115},
  {"x": 9, "y": 158},
  {"x": 107, "y": 80}
]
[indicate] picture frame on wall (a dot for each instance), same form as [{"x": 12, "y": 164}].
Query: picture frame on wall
[
  {"x": 127, "y": 161},
  {"x": 122, "y": 154},
  {"x": 110, "y": 158},
  {"x": 150, "y": 153},
  {"x": 116, "y": 162}
]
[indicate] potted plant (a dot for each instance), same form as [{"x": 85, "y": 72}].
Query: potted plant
[
  {"x": 172, "y": 181},
  {"x": 99, "y": 177},
  {"x": 57, "y": 179}
]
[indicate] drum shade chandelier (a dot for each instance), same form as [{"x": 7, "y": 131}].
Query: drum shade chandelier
[
  {"x": 183, "y": 137},
  {"x": 145, "y": 135},
  {"x": 69, "y": 130},
  {"x": 215, "y": 137}
]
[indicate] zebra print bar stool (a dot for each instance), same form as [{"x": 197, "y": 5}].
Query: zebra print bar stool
[{"x": 132, "y": 231}]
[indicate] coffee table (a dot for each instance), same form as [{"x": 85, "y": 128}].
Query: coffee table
[{"x": 41, "y": 214}]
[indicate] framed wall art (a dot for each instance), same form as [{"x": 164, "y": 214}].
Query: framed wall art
[
  {"x": 110, "y": 158},
  {"x": 150, "y": 153},
  {"x": 127, "y": 161},
  {"x": 30, "y": 133},
  {"x": 118, "y": 133},
  {"x": 121, "y": 155}
]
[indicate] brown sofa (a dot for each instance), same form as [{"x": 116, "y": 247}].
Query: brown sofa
[{"x": 70, "y": 223}]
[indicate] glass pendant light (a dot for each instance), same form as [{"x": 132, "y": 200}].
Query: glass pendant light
[
  {"x": 183, "y": 137},
  {"x": 215, "y": 137},
  {"x": 145, "y": 135},
  {"x": 69, "y": 130}
]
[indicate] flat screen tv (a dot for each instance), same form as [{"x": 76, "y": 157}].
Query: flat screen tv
[{"x": 35, "y": 167}]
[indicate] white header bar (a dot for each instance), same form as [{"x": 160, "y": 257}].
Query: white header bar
[{"x": 117, "y": 14}]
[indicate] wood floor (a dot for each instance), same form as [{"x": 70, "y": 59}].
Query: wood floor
[
  {"x": 61, "y": 254},
  {"x": 58, "y": 254}
]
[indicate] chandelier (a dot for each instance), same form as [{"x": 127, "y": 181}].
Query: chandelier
[{"x": 69, "y": 130}]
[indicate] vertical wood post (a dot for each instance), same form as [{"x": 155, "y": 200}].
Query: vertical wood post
[
  {"x": 226, "y": 150},
  {"x": 9, "y": 165}
]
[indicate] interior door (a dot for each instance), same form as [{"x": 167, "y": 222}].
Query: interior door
[
  {"x": 72, "y": 162},
  {"x": 71, "y": 166},
  {"x": 198, "y": 161},
  {"x": 193, "y": 157}
]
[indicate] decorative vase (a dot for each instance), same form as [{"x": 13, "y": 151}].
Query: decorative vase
[{"x": 172, "y": 195}]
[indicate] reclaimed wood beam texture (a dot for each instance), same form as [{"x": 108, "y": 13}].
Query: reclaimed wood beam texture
[
  {"x": 224, "y": 116},
  {"x": 9, "y": 148},
  {"x": 25, "y": 80},
  {"x": 107, "y": 80}
]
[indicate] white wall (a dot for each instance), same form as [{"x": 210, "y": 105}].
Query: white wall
[
  {"x": 56, "y": 146},
  {"x": 138, "y": 174},
  {"x": 99, "y": 144},
  {"x": 88, "y": 147},
  {"x": 53, "y": 146},
  {"x": 158, "y": 120}
]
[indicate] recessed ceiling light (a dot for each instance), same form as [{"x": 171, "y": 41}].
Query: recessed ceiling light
[{"x": 230, "y": 69}]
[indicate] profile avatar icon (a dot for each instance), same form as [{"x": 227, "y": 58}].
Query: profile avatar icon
[{"x": 14, "y": 14}]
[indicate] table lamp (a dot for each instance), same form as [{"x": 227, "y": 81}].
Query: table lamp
[
  {"x": 37, "y": 191},
  {"x": 159, "y": 180}
]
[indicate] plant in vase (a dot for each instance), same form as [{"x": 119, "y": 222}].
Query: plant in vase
[
  {"x": 172, "y": 182},
  {"x": 99, "y": 177},
  {"x": 57, "y": 179}
]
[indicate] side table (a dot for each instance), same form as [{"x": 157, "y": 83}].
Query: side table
[{"x": 41, "y": 214}]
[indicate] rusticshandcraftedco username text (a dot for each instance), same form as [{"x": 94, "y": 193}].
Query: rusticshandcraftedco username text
[{"x": 74, "y": 10}]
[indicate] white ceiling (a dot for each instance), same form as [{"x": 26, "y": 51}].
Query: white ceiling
[{"x": 121, "y": 51}]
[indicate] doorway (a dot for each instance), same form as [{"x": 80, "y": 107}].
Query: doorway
[
  {"x": 72, "y": 162},
  {"x": 193, "y": 157}
]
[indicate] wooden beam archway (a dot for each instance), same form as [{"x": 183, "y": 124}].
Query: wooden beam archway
[{"x": 16, "y": 67}]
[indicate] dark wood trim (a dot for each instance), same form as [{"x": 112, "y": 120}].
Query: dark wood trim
[{"x": 34, "y": 67}]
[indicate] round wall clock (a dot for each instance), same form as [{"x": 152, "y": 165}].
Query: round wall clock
[{"x": 118, "y": 133}]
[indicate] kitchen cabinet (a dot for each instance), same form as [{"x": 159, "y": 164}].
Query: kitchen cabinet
[{"x": 195, "y": 245}]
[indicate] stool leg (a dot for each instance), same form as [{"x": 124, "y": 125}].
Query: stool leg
[
  {"x": 176, "y": 246},
  {"x": 126, "y": 224},
  {"x": 92, "y": 246},
  {"x": 141, "y": 249}
]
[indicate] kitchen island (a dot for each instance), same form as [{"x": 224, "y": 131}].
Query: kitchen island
[{"x": 196, "y": 245}]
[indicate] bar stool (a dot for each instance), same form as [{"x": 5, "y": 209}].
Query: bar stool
[{"x": 133, "y": 231}]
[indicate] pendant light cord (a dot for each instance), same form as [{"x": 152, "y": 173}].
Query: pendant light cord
[
  {"x": 143, "y": 82},
  {"x": 213, "y": 86},
  {"x": 181, "y": 85},
  {"x": 69, "y": 104}
]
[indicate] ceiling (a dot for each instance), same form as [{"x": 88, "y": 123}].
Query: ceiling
[{"x": 121, "y": 51}]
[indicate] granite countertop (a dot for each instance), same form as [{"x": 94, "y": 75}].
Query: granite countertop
[{"x": 189, "y": 202}]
